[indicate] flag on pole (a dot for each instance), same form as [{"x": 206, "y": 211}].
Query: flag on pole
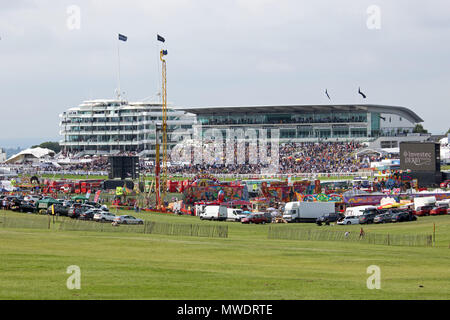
[
  {"x": 161, "y": 38},
  {"x": 164, "y": 52},
  {"x": 362, "y": 94},
  {"x": 97, "y": 195},
  {"x": 122, "y": 37}
]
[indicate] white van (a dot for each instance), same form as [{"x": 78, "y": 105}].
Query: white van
[
  {"x": 214, "y": 213},
  {"x": 300, "y": 211},
  {"x": 358, "y": 211},
  {"x": 234, "y": 214},
  {"x": 199, "y": 209},
  {"x": 424, "y": 201}
]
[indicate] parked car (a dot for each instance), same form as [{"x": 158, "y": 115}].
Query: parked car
[
  {"x": 441, "y": 209},
  {"x": 327, "y": 218},
  {"x": 68, "y": 203},
  {"x": 128, "y": 220},
  {"x": 94, "y": 204},
  {"x": 255, "y": 218},
  {"x": 31, "y": 197},
  {"x": 27, "y": 206},
  {"x": 88, "y": 214},
  {"x": 349, "y": 220},
  {"x": 268, "y": 216},
  {"x": 423, "y": 211},
  {"x": 368, "y": 217},
  {"x": 60, "y": 209},
  {"x": 14, "y": 204},
  {"x": 401, "y": 216},
  {"x": 383, "y": 218},
  {"x": 75, "y": 211},
  {"x": 104, "y": 216},
  {"x": 445, "y": 184}
]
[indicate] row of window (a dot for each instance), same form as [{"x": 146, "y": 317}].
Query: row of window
[
  {"x": 116, "y": 119},
  {"x": 337, "y": 117}
]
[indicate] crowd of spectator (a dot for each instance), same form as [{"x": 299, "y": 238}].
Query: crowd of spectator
[
  {"x": 325, "y": 157},
  {"x": 313, "y": 157},
  {"x": 306, "y": 157}
]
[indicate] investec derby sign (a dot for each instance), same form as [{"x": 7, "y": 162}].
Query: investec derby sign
[
  {"x": 418, "y": 159},
  {"x": 418, "y": 156}
]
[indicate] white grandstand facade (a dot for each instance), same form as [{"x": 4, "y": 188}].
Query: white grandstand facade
[{"x": 109, "y": 127}]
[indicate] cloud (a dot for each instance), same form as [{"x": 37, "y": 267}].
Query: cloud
[{"x": 222, "y": 53}]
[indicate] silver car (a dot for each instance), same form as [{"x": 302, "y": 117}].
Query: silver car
[
  {"x": 104, "y": 216},
  {"x": 128, "y": 220},
  {"x": 349, "y": 220}
]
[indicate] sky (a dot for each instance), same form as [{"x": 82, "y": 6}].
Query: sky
[{"x": 234, "y": 52}]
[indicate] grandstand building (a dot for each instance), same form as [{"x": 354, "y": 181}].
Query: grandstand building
[
  {"x": 302, "y": 123},
  {"x": 108, "y": 127}
]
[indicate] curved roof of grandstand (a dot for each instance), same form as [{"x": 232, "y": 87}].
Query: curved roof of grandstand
[
  {"x": 31, "y": 152},
  {"x": 401, "y": 111}
]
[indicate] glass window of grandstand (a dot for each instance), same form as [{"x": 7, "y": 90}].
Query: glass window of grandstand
[
  {"x": 103, "y": 148},
  {"x": 388, "y": 144},
  {"x": 288, "y": 133},
  {"x": 323, "y": 133},
  {"x": 322, "y": 117},
  {"x": 339, "y": 117},
  {"x": 217, "y": 119},
  {"x": 279, "y": 118},
  {"x": 358, "y": 132},
  {"x": 375, "y": 124},
  {"x": 203, "y": 119},
  {"x": 304, "y": 132},
  {"x": 340, "y": 132},
  {"x": 303, "y": 118},
  {"x": 358, "y": 117}
]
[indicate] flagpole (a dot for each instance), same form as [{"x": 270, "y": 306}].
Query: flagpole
[{"x": 118, "y": 73}]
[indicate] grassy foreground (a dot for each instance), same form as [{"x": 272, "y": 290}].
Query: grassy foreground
[{"x": 246, "y": 265}]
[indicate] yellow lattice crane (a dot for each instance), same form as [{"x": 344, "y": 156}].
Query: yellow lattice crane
[{"x": 161, "y": 167}]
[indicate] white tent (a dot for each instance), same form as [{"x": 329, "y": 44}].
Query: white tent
[
  {"x": 32, "y": 155},
  {"x": 445, "y": 150},
  {"x": 6, "y": 185}
]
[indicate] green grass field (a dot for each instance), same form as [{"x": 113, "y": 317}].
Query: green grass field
[{"x": 246, "y": 265}]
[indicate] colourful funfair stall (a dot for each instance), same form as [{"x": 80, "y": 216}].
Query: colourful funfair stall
[
  {"x": 286, "y": 192},
  {"x": 205, "y": 188}
]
